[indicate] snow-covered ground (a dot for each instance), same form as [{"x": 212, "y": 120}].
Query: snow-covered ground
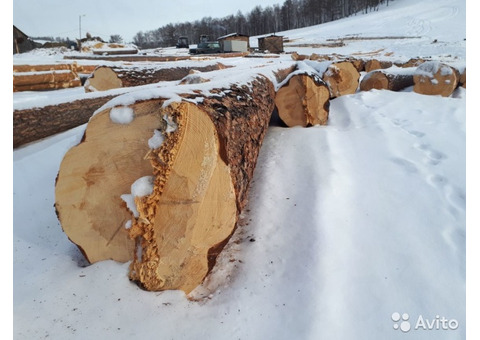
[{"x": 354, "y": 230}]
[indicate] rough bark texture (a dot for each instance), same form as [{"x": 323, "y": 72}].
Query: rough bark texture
[
  {"x": 434, "y": 78},
  {"x": 374, "y": 64},
  {"x": 384, "y": 80},
  {"x": 463, "y": 79},
  {"x": 201, "y": 174},
  {"x": 107, "y": 78},
  {"x": 413, "y": 62},
  {"x": 303, "y": 101},
  {"x": 33, "y": 124},
  {"x": 342, "y": 78}
]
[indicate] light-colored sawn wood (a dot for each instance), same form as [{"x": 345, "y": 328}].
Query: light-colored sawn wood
[
  {"x": 190, "y": 213},
  {"x": 342, "y": 78},
  {"x": 303, "y": 101},
  {"x": 94, "y": 174},
  {"x": 435, "y": 78}
]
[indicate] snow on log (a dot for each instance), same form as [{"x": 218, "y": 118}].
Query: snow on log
[
  {"x": 435, "y": 78},
  {"x": 342, "y": 78},
  {"x": 162, "y": 182},
  {"x": 393, "y": 79},
  {"x": 107, "y": 78},
  {"x": 374, "y": 64},
  {"x": 303, "y": 98}
]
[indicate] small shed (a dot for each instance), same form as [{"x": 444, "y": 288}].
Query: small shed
[
  {"x": 272, "y": 43},
  {"x": 21, "y": 42},
  {"x": 234, "y": 42}
]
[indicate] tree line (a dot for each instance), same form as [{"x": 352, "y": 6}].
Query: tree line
[{"x": 291, "y": 14}]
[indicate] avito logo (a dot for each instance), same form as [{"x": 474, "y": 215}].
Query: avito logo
[
  {"x": 437, "y": 323},
  {"x": 401, "y": 322}
]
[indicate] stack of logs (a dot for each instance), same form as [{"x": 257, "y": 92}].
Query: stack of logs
[
  {"x": 44, "y": 77},
  {"x": 162, "y": 183}
]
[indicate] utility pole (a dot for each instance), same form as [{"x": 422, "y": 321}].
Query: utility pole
[{"x": 80, "y": 25}]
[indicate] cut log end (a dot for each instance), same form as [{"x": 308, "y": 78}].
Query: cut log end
[
  {"x": 303, "y": 101},
  {"x": 187, "y": 215},
  {"x": 433, "y": 78},
  {"x": 94, "y": 174},
  {"x": 102, "y": 79},
  {"x": 342, "y": 78}
]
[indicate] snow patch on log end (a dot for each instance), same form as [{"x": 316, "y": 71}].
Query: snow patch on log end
[{"x": 122, "y": 115}]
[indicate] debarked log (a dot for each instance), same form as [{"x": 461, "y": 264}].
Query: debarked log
[
  {"x": 162, "y": 183},
  {"x": 45, "y": 80}
]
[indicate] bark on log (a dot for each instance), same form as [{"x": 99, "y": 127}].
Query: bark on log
[
  {"x": 342, "y": 78},
  {"x": 359, "y": 64},
  {"x": 462, "y": 81},
  {"x": 107, "y": 78},
  {"x": 374, "y": 64},
  {"x": 199, "y": 177},
  {"x": 388, "y": 79},
  {"x": 30, "y": 125},
  {"x": 303, "y": 100},
  {"x": 435, "y": 78},
  {"x": 413, "y": 62}
]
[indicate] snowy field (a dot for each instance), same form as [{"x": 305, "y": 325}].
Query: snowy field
[{"x": 354, "y": 230}]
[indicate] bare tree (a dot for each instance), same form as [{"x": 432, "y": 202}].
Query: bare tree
[{"x": 115, "y": 38}]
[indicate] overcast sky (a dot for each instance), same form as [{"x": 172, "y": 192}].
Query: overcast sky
[{"x": 61, "y": 18}]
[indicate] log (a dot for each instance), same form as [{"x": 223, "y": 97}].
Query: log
[
  {"x": 298, "y": 57},
  {"x": 303, "y": 100},
  {"x": 33, "y": 124},
  {"x": 42, "y": 67},
  {"x": 435, "y": 78},
  {"x": 165, "y": 189},
  {"x": 342, "y": 78},
  {"x": 45, "y": 80},
  {"x": 107, "y": 78},
  {"x": 374, "y": 64},
  {"x": 393, "y": 79},
  {"x": 413, "y": 62},
  {"x": 359, "y": 64},
  {"x": 462, "y": 81},
  {"x": 48, "y": 86}
]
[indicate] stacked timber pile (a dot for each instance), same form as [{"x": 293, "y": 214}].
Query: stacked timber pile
[
  {"x": 161, "y": 176},
  {"x": 44, "y": 77}
]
